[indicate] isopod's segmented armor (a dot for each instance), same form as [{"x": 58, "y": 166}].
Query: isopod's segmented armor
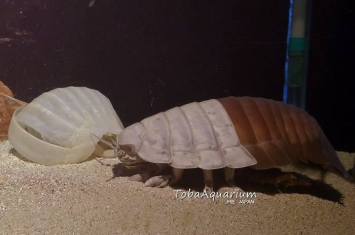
[
  {"x": 277, "y": 134},
  {"x": 231, "y": 132},
  {"x": 194, "y": 135}
]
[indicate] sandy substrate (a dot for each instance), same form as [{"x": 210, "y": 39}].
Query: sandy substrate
[{"x": 78, "y": 199}]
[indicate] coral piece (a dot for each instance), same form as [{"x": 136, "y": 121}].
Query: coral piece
[{"x": 8, "y": 105}]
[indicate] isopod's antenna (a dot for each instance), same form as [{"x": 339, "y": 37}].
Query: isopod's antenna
[{"x": 113, "y": 144}]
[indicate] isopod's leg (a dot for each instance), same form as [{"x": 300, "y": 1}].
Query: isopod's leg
[
  {"x": 163, "y": 180},
  {"x": 141, "y": 177},
  {"x": 229, "y": 176},
  {"x": 208, "y": 175},
  {"x": 148, "y": 172},
  {"x": 177, "y": 174}
]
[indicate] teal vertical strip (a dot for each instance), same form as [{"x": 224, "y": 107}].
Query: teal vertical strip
[{"x": 290, "y": 12}]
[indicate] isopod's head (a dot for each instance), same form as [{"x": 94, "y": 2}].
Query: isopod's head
[{"x": 130, "y": 141}]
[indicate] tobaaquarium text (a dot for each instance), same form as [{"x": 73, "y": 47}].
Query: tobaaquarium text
[{"x": 178, "y": 193}]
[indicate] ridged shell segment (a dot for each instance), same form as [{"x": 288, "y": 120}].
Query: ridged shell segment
[
  {"x": 194, "y": 135},
  {"x": 278, "y": 134}
]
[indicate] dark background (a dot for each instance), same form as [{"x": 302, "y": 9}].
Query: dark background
[
  {"x": 330, "y": 88},
  {"x": 149, "y": 56}
]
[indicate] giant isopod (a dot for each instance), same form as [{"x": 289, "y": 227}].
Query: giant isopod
[{"x": 225, "y": 133}]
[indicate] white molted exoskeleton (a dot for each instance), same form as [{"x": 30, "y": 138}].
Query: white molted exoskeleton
[
  {"x": 60, "y": 126},
  {"x": 196, "y": 135}
]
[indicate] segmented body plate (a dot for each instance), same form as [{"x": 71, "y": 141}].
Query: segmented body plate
[
  {"x": 194, "y": 135},
  {"x": 277, "y": 134}
]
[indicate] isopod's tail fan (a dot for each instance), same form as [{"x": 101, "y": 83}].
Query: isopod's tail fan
[{"x": 336, "y": 165}]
